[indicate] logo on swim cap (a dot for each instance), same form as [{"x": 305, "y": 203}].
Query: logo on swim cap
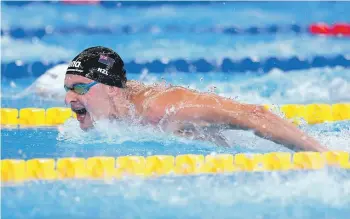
[
  {"x": 75, "y": 66},
  {"x": 103, "y": 71},
  {"x": 106, "y": 60}
]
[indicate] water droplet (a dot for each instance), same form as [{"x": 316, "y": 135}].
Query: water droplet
[
  {"x": 62, "y": 193},
  {"x": 49, "y": 29},
  {"x": 19, "y": 62},
  {"x": 77, "y": 199},
  {"x": 12, "y": 84},
  {"x": 35, "y": 40}
]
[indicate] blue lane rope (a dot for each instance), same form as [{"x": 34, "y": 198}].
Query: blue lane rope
[
  {"x": 37, "y": 68},
  {"x": 128, "y": 29}
]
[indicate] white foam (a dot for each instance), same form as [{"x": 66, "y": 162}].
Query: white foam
[{"x": 115, "y": 132}]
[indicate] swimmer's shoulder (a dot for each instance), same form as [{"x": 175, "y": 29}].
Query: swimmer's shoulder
[
  {"x": 158, "y": 99},
  {"x": 169, "y": 96},
  {"x": 176, "y": 97}
]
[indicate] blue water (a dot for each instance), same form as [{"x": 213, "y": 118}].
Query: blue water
[
  {"x": 314, "y": 194},
  {"x": 179, "y": 42}
]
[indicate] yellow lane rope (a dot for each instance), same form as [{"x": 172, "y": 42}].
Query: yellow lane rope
[
  {"x": 310, "y": 113},
  {"x": 160, "y": 165}
]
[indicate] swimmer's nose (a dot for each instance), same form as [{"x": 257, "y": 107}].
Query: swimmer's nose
[{"x": 70, "y": 97}]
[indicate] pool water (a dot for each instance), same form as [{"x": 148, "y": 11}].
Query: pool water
[{"x": 302, "y": 194}]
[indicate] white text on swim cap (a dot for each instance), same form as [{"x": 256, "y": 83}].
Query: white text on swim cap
[
  {"x": 103, "y": 71},
  {"x": 74, "y": 64}
]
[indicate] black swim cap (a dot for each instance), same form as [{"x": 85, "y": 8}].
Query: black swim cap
[{"x": 100, "y": 64}]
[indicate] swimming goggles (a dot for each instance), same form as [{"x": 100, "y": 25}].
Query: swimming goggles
[{"x": 80, "y": 88}]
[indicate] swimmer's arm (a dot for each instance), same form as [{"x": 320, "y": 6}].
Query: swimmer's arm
[
  {"x": 270, "y": 126},
  {"x": 250, "y": 117}
]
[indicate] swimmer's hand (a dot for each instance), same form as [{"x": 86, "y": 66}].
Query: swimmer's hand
[{"x": 250, "y": 117}]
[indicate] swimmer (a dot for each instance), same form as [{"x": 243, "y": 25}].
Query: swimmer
[{"x": 97, "y": 88}]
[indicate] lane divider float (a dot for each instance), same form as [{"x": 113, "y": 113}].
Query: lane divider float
[
  {"x": 13, "y": 170},
  {"x": 21, "y": 33},
  {"x": 337, "y": 29},
  {"x": 20, "y": 69},
  {"x": 297, "y": 113}
]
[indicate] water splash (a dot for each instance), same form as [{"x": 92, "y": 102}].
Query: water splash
[{"x": 117, "y": 132}]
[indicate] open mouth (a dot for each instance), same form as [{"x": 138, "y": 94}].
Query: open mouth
[{"x": 81, "y": 113}]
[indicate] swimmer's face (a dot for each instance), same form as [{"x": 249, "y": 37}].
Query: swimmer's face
[{"x": 91, "y": 106}]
